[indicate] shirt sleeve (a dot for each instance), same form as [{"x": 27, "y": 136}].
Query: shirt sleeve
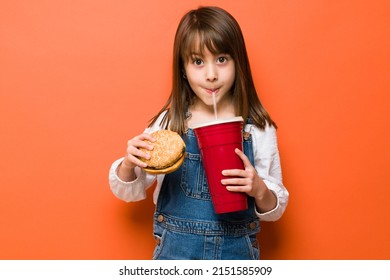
[
  {"x": 135, "y": 190},
  {"x": 267, "y": 164},
  {"x": 130, "y": 191}
]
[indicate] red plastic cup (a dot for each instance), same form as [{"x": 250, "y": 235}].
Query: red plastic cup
[{"x": 217, "y": 141}]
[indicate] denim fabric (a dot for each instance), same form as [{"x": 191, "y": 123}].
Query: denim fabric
[{"x": 185, "y": 224}]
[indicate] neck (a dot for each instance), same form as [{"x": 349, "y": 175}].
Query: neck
[{"x": 203, "y": 113}]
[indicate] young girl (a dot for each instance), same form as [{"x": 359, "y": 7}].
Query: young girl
[{"x": 209, "y": 57}]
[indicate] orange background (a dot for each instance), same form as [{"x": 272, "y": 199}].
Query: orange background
[{"x": 79, "y": 78}]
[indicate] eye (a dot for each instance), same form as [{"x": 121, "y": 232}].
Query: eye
[
  {"x": 222, "y": 59},
  {"x": 197, "y": 61}
]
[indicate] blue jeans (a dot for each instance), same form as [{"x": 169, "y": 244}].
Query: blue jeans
[{"x": 185, "y": 224}]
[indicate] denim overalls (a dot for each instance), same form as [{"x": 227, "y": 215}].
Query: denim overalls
[{"x": 185, "y": 224}]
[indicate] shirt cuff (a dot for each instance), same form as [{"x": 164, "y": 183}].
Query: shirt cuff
[
  {"x": 270, "y": 212},
  {"x": 127, "y": 191},
  {"x": 137, "y": 170}
]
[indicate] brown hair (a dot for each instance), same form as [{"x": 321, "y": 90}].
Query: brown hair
[{"x": 219, "y": 32}]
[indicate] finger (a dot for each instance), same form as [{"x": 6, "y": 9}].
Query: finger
[
  {"x": 146, "y": 136},
  {"x": 142, "y": 141},
  {"x": 243, "y": 157},
  {"x": 135, "y": 161},
  {"x": 134, "y": 155},
  {"x": 234, "y": 172},
  {"x": 235, "y": 182},
  {"x": 238, "y": 188},
  {"x": 139, "y": 143},
  {"x": 134, "y": 151}
]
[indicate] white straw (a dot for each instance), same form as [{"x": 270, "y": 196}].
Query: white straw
[{"x": 215, "y": 106}]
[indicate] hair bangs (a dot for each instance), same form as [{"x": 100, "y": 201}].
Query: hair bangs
[{"x": 196, "y": 41}]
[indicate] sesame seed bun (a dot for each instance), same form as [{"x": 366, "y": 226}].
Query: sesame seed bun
[{"x": 167, "y": 154}]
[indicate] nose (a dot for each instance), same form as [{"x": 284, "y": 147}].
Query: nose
[{"x": 211, "y": 73}]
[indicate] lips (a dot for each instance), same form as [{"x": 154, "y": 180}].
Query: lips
[{"x": 212, "y": 90}]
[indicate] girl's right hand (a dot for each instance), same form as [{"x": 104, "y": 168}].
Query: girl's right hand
[{"x": 134, "y": 153}]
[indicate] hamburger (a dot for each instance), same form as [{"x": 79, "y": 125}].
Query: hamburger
[{"x": 167, "y": 154}]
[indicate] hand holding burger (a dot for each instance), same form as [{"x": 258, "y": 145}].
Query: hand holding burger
[
  {"x": 158, "y": 153},
  {"x": 167, "y": 154}
]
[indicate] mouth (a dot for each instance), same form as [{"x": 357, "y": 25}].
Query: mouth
[{"x": 212, "y": 90}]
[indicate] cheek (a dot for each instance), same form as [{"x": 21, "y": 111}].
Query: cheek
[
  {"x": 233, "y": 77},
  {"x": 230, "y": 77},
  {"x": 228, "y": 73},
  {"x": 192, "y": 78},
  {"x": 192, "y": 83}
]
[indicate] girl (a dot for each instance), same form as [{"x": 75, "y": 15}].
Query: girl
[{"x": 209, "y": 57}]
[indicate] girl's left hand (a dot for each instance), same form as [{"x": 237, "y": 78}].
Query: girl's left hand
[{"x": 246, "y": 180}]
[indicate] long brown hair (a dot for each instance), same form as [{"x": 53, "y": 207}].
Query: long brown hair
[{"x": 215, "y": 29}]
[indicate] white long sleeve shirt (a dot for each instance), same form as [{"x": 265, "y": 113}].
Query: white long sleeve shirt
[{"x": 267, "y": 165}]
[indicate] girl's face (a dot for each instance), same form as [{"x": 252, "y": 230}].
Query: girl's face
[{"x": 209, "y": 74}]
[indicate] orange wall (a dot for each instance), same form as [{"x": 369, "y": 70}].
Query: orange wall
[{"x": 79, "y": 78}]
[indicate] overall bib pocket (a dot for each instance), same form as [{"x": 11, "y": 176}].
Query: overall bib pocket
[{"x": 193, "y": 179}]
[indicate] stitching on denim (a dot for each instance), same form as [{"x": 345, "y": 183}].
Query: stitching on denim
[{"x": 209, "y": 228}]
